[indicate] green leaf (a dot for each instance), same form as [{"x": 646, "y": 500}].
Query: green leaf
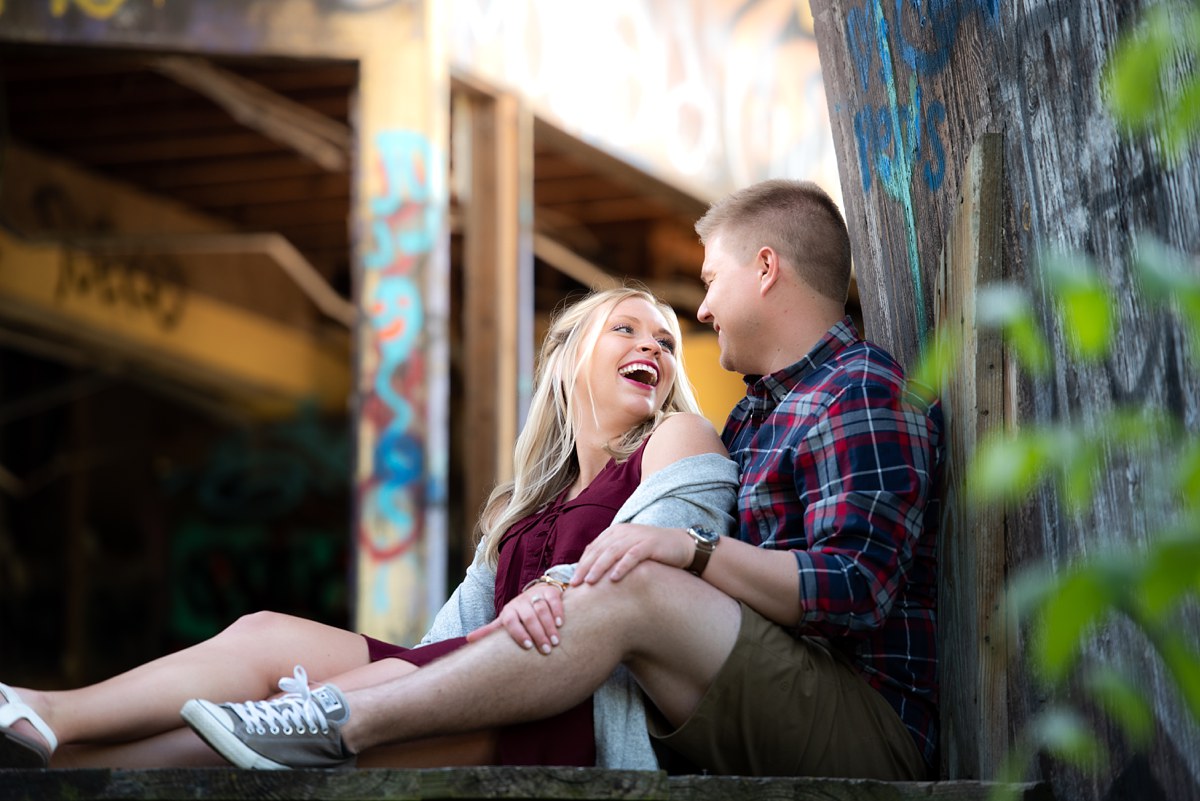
[
  {"x": 1187, "y": 475},
  {"x": 1081, "y": 598},
  {"x": 936, "y": 363},
  {"x": 1083, "y": 301},
  {"x": 1005, "y": 468},
  {"x": 1183, "y": 121},
  {"x": 1080, "y": 460},
  {"x": 1170, "y": 572},
  {"x": 1169, "y": 276},
  {"x": 1026, "y": 340},
  {"x": 1066, "y": 736},
  {"x": 997, "y": 305},
  {"x": 1121, "y": 700},
  {"x": 1184, "y": 667},
  {"x": 1164, "y": 271},
  {"x": 1138, "y": 429},
  {"x": 1029, "y": 589},
  {"x": 1132, "y": 76},
  {"x": 1008, "y": 308}
]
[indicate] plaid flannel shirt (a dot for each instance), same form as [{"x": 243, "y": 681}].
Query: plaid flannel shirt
[{"x": 840, "y": 466}]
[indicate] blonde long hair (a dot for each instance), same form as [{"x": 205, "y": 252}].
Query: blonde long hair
[{"x": 545, "y": 463}]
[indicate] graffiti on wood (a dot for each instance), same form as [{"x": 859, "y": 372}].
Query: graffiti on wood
[
  {"x": 900, "y": 136},
  {"x": 404, "y": 222}
]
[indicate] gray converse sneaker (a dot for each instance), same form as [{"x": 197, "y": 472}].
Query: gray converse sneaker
[{"x": 300, "y": 729}]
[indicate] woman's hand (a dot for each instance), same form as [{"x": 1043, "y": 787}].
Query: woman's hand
[
  {"x": 620, "y": 548},
  {"x": 532, "y": 618}
]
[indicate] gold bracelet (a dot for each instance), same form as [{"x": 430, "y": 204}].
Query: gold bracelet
[{"x": 562, "y": 585}]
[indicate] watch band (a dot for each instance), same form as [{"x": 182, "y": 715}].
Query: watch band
[{"x": 706, "y": 543}]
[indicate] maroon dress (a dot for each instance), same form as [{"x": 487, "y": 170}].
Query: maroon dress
[{"x": 557, "y": 534}]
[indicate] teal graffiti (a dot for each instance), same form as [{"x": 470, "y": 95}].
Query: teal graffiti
[
  {"x": 901, "y": 141},
  {"x": 404, "y": 225},
  {"x": 404, "y": 220},
  {"x": 264, "y": 526},
  {"x": 224, "y": 571},
  {"x": 265, "y": 473}
]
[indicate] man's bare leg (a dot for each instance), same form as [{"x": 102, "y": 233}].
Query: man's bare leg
[{"x": 671, "y": 629}]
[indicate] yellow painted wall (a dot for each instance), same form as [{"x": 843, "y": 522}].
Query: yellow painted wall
[{"x": 717, "y": 389}]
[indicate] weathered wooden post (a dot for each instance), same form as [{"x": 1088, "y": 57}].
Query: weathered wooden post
[{"x": 913, "y": 88}]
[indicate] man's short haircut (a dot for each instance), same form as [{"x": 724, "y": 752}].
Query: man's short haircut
[{"x": 797, "y": 219}]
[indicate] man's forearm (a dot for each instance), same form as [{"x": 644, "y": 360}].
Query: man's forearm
[{"x": 763, "y": 578}]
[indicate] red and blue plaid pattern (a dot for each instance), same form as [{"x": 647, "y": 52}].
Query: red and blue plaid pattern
[{"x": 841, "y": 466}]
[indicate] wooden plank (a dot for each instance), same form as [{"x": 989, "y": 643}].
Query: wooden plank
[
  {"x": 318, "y": 138},
  {"x": 494, "y": 194},
  {"x": 201, "y": 145},
  {"x": 150, "y": 119},
  {"x": 685, "y": 297},
  {"x": 688, "y": 200},
  {"x": 776, "y": 788},
  {"x": 608, "y": 211},
  {"x": 192, "y": 338},
  {"x": 253, "y": 193},
  {"x": 972, "y": 630},
  {"x": 231, "y": 171},
  {"x": 463, "y": 784},
  {"x": 51, "y": 199}
]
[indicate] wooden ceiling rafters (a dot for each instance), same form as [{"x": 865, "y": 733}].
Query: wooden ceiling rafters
[{"x": 263, "y": 145}]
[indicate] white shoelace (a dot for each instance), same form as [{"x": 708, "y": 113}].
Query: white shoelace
[{"x": 294, "y": 712}]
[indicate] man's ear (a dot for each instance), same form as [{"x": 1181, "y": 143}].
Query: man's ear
[{"x": 767, "y": 264}]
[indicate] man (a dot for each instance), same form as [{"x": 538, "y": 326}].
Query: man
[{"x": 802, "y": 644}]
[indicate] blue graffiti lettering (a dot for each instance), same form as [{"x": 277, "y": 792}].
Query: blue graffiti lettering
[
  {"x": 858, "y": 38},
  {"x": 941, "y": 20},
  {"x": 935, "y": 170},
  {"x": 890, "y": 140},
  {"x": 862, "y": 135}
]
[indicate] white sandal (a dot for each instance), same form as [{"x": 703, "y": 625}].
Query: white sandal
[{"x": 19, "y": 750}]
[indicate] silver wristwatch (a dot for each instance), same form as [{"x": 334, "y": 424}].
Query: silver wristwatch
[{"x": 706, "y": 543}]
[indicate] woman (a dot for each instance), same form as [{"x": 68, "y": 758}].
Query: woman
[{"x": 611, "y": 419}]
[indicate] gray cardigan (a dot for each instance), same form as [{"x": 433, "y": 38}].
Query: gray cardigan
[{"x": 696, "y": 491}]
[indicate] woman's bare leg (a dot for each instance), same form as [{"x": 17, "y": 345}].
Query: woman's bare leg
[
  {"x": 182, "y": 748},
  {"x": 245, "y": 661}
]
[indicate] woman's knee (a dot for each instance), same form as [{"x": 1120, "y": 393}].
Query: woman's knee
[{"x": 257, "y": 628}]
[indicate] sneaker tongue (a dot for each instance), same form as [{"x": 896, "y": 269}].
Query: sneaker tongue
[{"x": 331, "y": 702}]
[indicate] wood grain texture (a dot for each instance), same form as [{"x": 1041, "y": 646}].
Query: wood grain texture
[
  {"x": 461, "y": 784},
  {"x": 1028, "y": 71},
  {"x": 971, "y": 626}
]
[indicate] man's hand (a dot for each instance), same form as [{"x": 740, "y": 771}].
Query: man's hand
[
  {"x": 620, "y": 548},
  {"x": 531, "y": 619}
]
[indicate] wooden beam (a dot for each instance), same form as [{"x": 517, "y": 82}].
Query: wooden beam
[
  {"x": 685, "y": 296},
  {"x": 275, "y": 247},
  {"x": 691, "y": 201},
  {"x": 204, "y": 343},
  {"x": 318, "y": 138},
  {"x": 492, "y": 191},
  {"x": 466, "y": 783}
]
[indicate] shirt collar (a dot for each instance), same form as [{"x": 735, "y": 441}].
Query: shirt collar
[{"x": 764, "y": 392}]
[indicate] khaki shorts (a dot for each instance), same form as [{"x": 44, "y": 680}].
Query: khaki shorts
[{"x": 782, "y": 706}]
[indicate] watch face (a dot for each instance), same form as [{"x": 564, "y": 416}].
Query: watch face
[{"x": 703, "y": 534}]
